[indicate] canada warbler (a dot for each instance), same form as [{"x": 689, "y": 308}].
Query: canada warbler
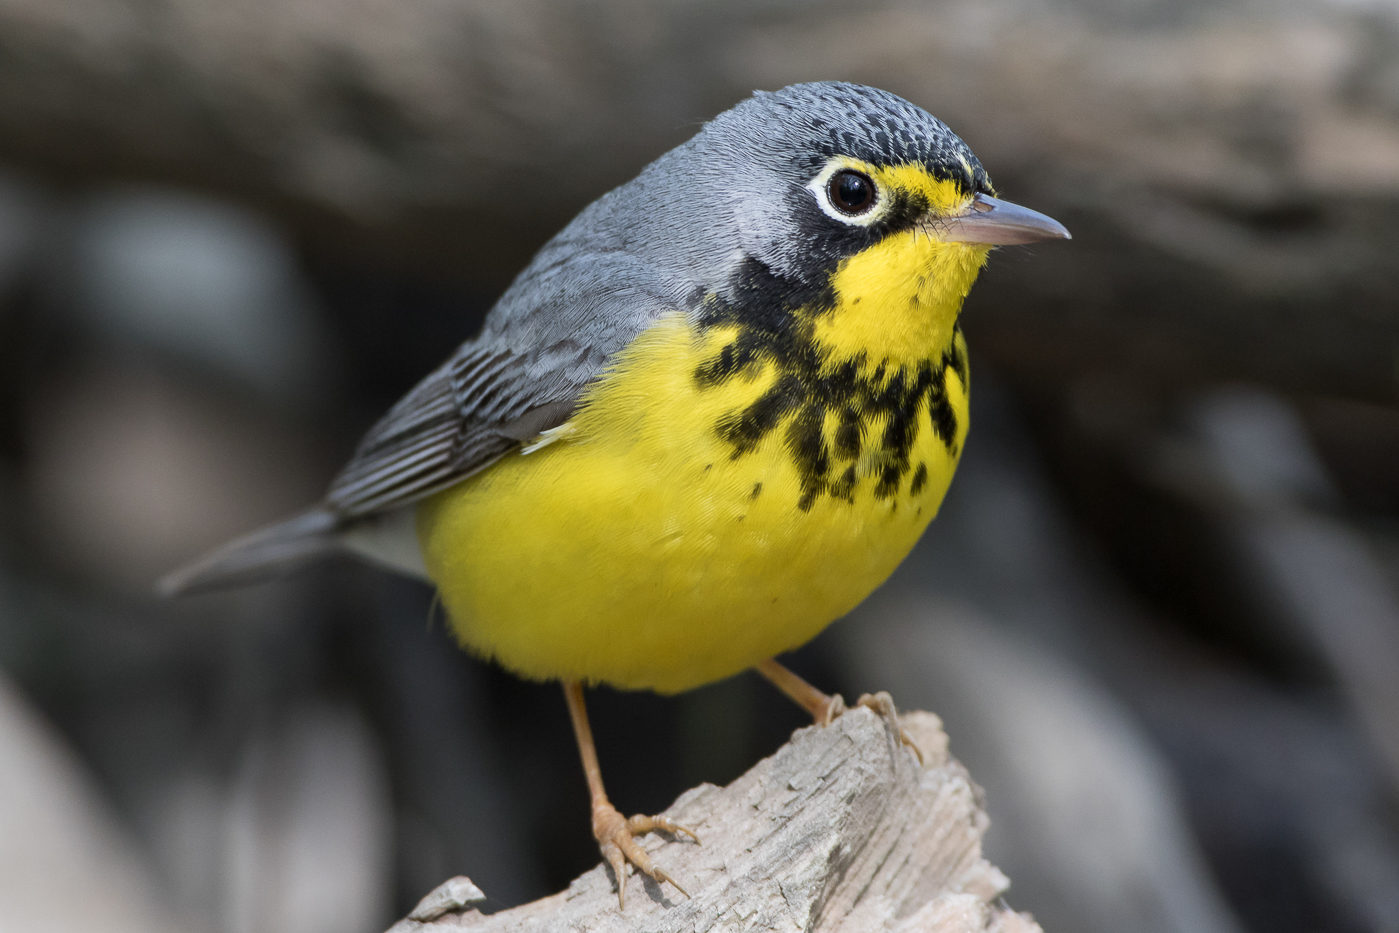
[{"x": 711, "y": 415}]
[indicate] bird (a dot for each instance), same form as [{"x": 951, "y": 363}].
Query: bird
[{"x": 710, "y": 416}]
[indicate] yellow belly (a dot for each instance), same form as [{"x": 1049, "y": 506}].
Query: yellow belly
[{"x": 639, "y": 549}]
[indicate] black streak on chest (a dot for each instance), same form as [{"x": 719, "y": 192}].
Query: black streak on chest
[{"x": 772, "y": 329}]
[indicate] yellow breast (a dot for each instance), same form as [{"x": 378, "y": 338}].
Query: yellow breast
[{"x": 713, "y": 503}]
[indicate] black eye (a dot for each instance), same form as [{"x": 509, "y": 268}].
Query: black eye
[{"x": 851, "y": 192}]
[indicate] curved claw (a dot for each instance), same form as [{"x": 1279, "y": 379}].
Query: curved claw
[
  {"x": 663, "y": 877},
  {"x": 826, "y": 707},
  {"x": 883, "y": 704},
  {"x": 616, "y": 836},
  {"x": 639, "y": 824},
  {"x": 835, "y": 707}
]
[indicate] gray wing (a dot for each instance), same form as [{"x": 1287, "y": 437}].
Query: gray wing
[
  {"x": 549, "y": 336},
  {"x": 523, "y": 375}
]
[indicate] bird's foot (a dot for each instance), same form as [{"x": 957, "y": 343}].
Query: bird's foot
[
  {"x": 880, "y": 703},
  {"x": 883, "y": 704},
  {"x": 616, "y": 837},
  {"x": 825, "y": 707}
]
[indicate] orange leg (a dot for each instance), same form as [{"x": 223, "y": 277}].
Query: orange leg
[
  {"x": 823, "y": 707},
  {"x": 615, "y": 833}
]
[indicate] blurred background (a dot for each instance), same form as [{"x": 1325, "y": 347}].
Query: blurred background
[{"x": 1159, "y": 613}]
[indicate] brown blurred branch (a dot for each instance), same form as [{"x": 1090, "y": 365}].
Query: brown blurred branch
[
  {"x": 376, "y": 118},
  {"x": 1232, "y": 179},
  {"x": 840, "y": 830}
]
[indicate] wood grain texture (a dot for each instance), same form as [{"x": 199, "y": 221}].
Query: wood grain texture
[{"x": 841, "y": 830}]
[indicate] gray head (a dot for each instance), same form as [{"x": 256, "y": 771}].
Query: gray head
[
  {"x": 757, "y": 182},
  {"x": 791, "y": 183},
  {"x": 799, "y": 128}
]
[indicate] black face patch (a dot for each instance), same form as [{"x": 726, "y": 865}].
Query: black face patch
[
  {"x": 826, "y": 241},
  {"x": 778, "y": 328}
]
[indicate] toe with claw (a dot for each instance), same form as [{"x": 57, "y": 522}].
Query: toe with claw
[
  {"x": 883, "y": 704},
  {"x": 616, "y": 837},
  {"x": 825, "y": 708}
]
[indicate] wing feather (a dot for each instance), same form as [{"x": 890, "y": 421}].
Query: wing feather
[{"x": 544, "y": 342}]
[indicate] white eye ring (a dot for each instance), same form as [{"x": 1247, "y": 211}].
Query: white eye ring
[{"x": 861, "y": 214}]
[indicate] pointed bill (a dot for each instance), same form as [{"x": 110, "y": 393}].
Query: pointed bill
[{"x": 992, "y": 222}]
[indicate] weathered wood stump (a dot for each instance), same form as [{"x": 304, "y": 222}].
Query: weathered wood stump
[{"x": 841, "y": 829}]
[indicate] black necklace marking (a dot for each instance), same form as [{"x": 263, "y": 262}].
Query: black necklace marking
[{"x": 774, "y": 321}]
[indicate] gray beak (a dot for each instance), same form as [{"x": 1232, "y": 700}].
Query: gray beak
[{"x": 992, "y": 222}]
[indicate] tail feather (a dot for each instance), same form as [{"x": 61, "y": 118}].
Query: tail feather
[{"x": 265, "y": 553}]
